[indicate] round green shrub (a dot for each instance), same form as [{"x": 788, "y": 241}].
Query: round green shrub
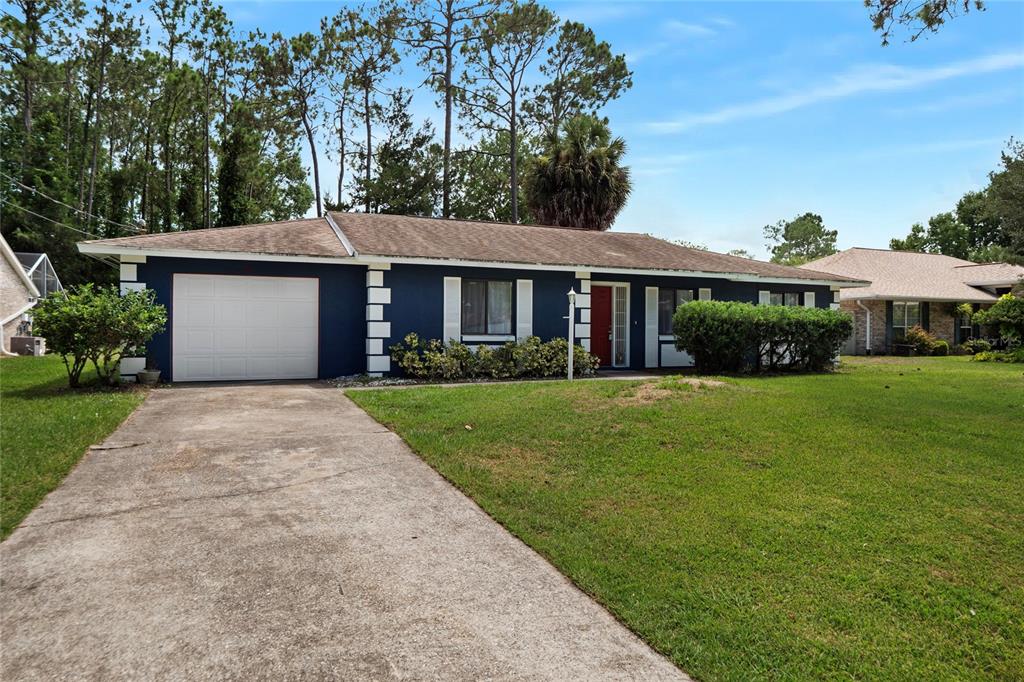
[
  {"x": 727, "y": 336},
  {"x": 941, "y": 348}
]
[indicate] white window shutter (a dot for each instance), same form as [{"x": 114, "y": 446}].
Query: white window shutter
[
  {"x": 650, "y": 326},
  {"x": 764, "y": 298},
  {"x": 524, "y": 308},
  {"x": 704, "y": 294},
  {"x": 808, "y": 299},
  {"x": 452, "y": 309}
]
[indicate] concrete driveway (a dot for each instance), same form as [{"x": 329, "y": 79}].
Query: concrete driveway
[{"x": 277, "y": 531}]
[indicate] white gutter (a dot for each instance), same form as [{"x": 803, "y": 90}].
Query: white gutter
[
  {"x": 867, "y": 335},
  {"x": 5, "y": 321}
]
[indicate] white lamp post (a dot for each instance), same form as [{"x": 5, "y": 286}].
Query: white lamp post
[{"x": 572, "y": 326}]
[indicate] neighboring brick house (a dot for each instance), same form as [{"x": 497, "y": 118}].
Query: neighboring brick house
[
  {"x": 909, "y": 288},
  {"x": 17, "y": 295}
]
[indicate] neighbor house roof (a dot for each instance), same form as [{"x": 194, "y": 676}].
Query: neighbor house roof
[
  {"x": 910, "y": 275},
  {"x": 377, "y": 236},
  {"x": 12, "y": 260}
]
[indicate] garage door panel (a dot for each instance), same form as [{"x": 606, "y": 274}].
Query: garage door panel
[
  {"x": 297, "y": 314},
  {"x": 295, "y": 341},
  {"x": 232, "y": 287},
  {"x": 231, "y": 366},
  {"x": 262, "y": 340},
  {"x": 230, "y": 314},
  {"x": 229, "y": 341},
  {"x": 195, "y": 286},
  {"x": 198, "y": 340},
  {"x": 198, "y": 312},
  {"x": 235, "y": 327}
]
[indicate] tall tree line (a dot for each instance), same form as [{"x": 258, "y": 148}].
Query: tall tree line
[{"x": 119, "y": 119}]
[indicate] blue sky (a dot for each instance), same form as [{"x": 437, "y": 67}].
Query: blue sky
[{"x": 743, "y": 113}]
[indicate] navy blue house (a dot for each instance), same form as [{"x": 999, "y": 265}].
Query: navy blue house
[{"x": 325, "y": 297}]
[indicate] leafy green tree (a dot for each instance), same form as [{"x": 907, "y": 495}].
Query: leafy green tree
[
  {"x": 97, "y": 324},
  {"x": 439, "y": 30},
  {"x": 480, "y": 189},
  {"x": 493, "y": 86},
  {"x": 582, "y": 76},
  {"x": 1006, "y": 197},
  {"x": 254, "y": 184},
  {"x": 408, "y": 163},
  {"x": 371, "y": 55},
  {"x": 920, "y": 16},
  {"x": 1007, "y": 315},
  {"x": 945, "y": 234},
  {"x": 296, "y": 68},
  {"x": 802, "y": 239},
  {"x": 917, "y": 240},
  {"x": 579, "y": 180}
]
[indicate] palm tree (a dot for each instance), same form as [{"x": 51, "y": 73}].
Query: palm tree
[{"x": 578, "y": 181}]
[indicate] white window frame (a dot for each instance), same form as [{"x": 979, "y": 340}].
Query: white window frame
[{"x": 905, "y": 326}]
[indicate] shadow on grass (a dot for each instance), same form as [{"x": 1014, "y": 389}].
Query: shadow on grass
[{"x": 59, "y": 387}]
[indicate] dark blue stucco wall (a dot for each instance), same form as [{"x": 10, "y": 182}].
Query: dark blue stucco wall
[
  {"x": 417, "y": 298},
  {"x": 417, "y": 301},
  {"x": 342, "y": 305},
  {"x": 721, "y": 290}
]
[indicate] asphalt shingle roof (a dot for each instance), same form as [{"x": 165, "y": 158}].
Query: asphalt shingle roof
[
  {"x": 463, "y": 240},
  {"x": 916, "y": 276}
]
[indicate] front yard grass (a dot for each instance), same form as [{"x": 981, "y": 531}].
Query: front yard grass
[
  {"x": 45, "y": 428},
  {"x": 867, "y": 524}
]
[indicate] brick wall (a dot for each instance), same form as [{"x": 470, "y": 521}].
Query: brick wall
[
  {"x": 877, "y": 309},
  {"x": 13, "y": 297},
  {"x": 942, "y": 322}
]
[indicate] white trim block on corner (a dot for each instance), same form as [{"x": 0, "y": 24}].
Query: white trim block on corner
[
  {"x": 378, "y": 295},
  {"x": 452, "y": 319},
  {"x": 524, "y": 308},
  {"x": 378, "y": 330},
  {"x": 132, "y": 286},
  {"x": 650, "y": 326},
  {"x": 378, "y": 363}
]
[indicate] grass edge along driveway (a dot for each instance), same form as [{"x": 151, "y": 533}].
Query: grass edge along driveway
[
  {"x": 865, "y": 524},
  {"x": 45, "y": 428}
]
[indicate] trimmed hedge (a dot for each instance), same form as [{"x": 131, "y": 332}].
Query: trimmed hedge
[
  {"x": 727, "y": 336},
  {"x": 455, "y": 361}
]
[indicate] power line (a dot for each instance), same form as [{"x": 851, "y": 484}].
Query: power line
[
  {"x": 55, "y": 222},
  {"x": 133, "y": 228}
]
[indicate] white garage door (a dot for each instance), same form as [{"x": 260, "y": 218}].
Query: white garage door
[{"x": 228, "y": 327}]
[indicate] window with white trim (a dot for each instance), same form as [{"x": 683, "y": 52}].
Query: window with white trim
[
  {"x": 486, "y": 306},
  {"x": 905, "y": 314},
  {"x": 787, "y": 298},
  {"x": 966, "y": 328},
  {"x": 668, "y": 301}
]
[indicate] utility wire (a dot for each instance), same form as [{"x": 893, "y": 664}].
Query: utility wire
[
  {"x": 55, "y": 222},
  {"x": 33, "y": 190}
]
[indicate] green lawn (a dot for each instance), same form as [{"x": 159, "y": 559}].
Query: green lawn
[
  {"x": 867, "y": 524},
  {"x": 45, "y": 428}
]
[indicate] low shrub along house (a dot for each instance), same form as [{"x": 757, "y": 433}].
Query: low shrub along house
[
  {"x": 329, "y": 296},
  {"x": 909, "y": 289}
]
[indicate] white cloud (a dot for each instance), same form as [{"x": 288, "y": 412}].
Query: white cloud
[
  {"x": 978, "y": 100},
  {"x": 682, "y": 29},
  {"x": 929, "y": 147},
  {"x": 865, "y": 79}
]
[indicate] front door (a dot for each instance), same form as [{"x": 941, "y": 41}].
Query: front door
[{"x": 601, "y": 324}]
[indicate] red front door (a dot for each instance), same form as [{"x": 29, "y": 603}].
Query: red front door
[{"x": 601, "y": 324}]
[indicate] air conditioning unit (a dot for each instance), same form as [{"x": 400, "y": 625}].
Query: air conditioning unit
[{"x": 28, "y": 345}]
